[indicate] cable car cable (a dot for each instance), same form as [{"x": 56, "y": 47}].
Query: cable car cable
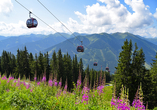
[
  {"x": 57, "y": 18},
  {"x": 61, "y": 23},
  {"x": 45, "y": 23},
  {"x": 48, "y": 24}
]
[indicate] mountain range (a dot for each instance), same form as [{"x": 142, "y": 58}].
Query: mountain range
[{"x": 102, "y": 48}]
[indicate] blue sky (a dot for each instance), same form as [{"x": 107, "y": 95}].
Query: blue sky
[{"x": 84, "y": 16}]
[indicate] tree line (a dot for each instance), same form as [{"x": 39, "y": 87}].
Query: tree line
[
  {"x": 131, "y": 71},
  {"x": 59, "y": 66}
]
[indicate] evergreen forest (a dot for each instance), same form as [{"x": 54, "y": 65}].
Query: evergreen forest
[
  {"x": 130, "y": 71},
  {"x": 59, "y": 66}
]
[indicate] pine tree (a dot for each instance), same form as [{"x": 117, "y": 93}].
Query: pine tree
[
  {"x": 41, "y": 68},
  {"x": 131, "y": 71},
  {"x": 124, "y": 66},
  {"x": 153, "y": 73},
  {"x": 53, "y": 64},
  {"x": 47, "y": 66},
  {"x": 60, "y": 65},
  {"x": 25, "y": 61},
  {"x": 32, "y": 66}
]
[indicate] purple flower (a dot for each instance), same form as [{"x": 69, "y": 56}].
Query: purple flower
[
  {"x": 113, "y": 102},
  {"x": 7, "y": 90},
  {"x": 44, "y": 79},
  {"x": 65, "y": 87},
  {"x": 8, "y": 81},
  {"x": 64, "y": 92},
  {"x": 78, "y": 83},
  {"x": 60, "y": 84},
  {"x": 50, "y": 82},
  {"x": 31, "y": 90},
  {"x": 28, "y": 85},
  {"x": 11, "y": 78},
  {"x": 100, "y": 89},
  {"x": 35, "y": 78},
  {"x": 4, "y": 78},
  {"x": 56, "y": 83},
  {"x": 138, "y": 104},
  {"x": 119, "y": 104},
  {"x": 17, "y": 84},
  {"x": 85, "y": 98},
  {"x": 14, "y": 81},
  {"x": 38, "y": 83},
  {"x": 24, "y": 83},
  {"x": 85, "y": 89}
]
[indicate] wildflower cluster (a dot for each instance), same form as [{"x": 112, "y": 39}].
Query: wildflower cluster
[
  {"x": 138, "y": 104},
  {"x": 100, "y": 89},
  {"x": 119, "y": 104}
]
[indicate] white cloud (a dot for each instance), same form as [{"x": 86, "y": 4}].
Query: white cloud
[
  {"x": 110, "y": 17},
  {"x": 155, "y": 14},
  {"x": 115, "y": 17},
  {"x": 20, "y": 28},
  {"x": 6, "y": 6}
]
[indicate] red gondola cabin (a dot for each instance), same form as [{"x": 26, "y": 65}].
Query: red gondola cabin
[
  {"x": 31, "y": 23},
  {"x": 80, "y": 48},
  {"x": 107, "y": 68},
  {"x": 95, "y": 63}
]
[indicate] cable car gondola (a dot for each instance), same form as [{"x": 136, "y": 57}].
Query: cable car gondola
[
  {"x": 32, "y": 22},
  {"x": 80, "y": 48},
  {"x": 95, "y": 63},
  {"x": 107, "y": 68}
]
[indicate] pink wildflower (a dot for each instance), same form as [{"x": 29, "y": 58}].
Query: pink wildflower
[
  {"x": 17, "y": 84},
  {"x": 38, "y": 83},
  {"x": 85, "y": 90},
  {"x": 65, "y": 87},
  {"x": 24, "y": 83},
  {"x": 35, "y": 78},
  {"x": 50, "y": 82},
  {"x": 31, "y": 90},
  {"x": 100, "y": 89},
  {"x": 28, "y": 85},
  {"x": 78, "y": 83},
  {"x": 85, "y": 98},
  {"x": 8, "y": 81},
  {"x": 60, "y": 84},
  {"x": 55, "y": 83},
  {"x": 7, "y": 90},
  {"x": 4, "y": 78},
  {"x": 44, "y": 79}
]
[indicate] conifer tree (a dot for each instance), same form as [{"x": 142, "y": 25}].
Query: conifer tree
[
  {"x": 124, "y": 66},
  {"x": 131, "y": 71},
  {"x": 60, "y": 65},
  {"x": 53, "y": 64},
  {"x": 32, "y": 66},
  {"x": 18, "y": 64},
  {"x": 25, "y": 61},
  {"x": 153, "y": 73},
  {"x": 47, "y": 65},
  {"x": 41, "y": 68},
  {"x": 37, "y": 67},
  {"x": 75, "y": 69}
]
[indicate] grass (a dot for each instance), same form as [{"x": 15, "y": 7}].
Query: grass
[
  {"x": 44, "y": 96},
  {"x": 16, "y": 96}
]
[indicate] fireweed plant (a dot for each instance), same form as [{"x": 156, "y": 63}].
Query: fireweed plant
[{"x": 41, "y": 95}]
